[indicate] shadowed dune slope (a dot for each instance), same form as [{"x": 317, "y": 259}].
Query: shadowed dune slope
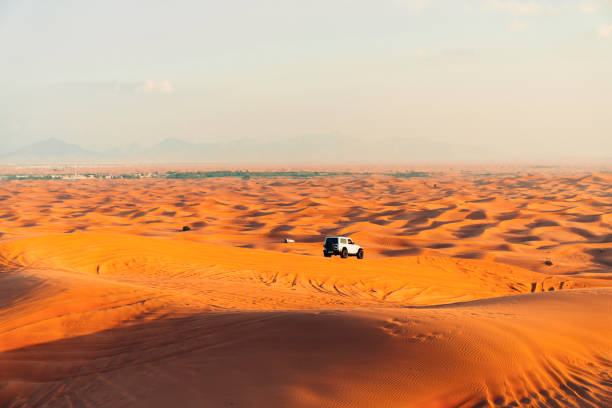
[
  {"x": 114, "y": 320},
  {"x": 530, "y": 350},
  {"x": 477, "y": 290}
]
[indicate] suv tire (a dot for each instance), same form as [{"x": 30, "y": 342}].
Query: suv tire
[
  {"x": 360, "y": 254},
  {"x": 344, "y": 253}
]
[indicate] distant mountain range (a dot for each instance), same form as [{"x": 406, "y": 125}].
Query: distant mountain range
[
  {"x": 50, "y": 149},
  {"x": 315, "y": 149}
]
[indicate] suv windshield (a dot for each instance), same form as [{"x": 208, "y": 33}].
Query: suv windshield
[{"x": 330, "y": 241}]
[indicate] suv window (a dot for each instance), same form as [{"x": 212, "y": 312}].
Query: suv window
[
  {"x": 331, "y": 241},
  {"x": 343, "y": 240},
  {"x": 350, "y": 241}
]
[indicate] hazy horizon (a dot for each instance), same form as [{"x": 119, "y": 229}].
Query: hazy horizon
[{"x": 521, "y": 77}]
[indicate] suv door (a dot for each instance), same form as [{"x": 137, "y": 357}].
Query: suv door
[
  {"x": 343, "y": 243},
  {"x": 351, "y": 247}
]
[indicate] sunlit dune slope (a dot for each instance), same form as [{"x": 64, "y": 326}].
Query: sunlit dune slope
[
  {"x": 517, "y": 218},
  {"x": 114, "y": 320},
  {"x": 548, "y": 349},
  {"x": 270, "y": 280},
  {"x": 105, "y": 302}
]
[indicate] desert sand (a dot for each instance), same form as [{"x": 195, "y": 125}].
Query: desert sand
[{"x": 105, "y": 302}]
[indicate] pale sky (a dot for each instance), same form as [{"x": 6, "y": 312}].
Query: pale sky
[{"x": 532, "y": 75}]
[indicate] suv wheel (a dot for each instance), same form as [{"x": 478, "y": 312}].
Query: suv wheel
[
  {"x": 360, "y": 254},
  {"x": 344, "y": 253}
]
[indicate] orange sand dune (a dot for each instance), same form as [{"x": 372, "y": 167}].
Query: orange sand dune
[
  {"x": 105, "y": 302},
  {"x": 521, "y": 219}
]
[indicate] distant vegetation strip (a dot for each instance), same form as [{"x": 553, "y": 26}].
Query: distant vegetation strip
[
  {"x": 284, "y": 174},
  {"x": 31, "y": 177},
  {"x": 9, "y": 177},
  {"x": 197, "y": 175},
  {"x": 410, "y": 174},
  {"x": 252, "y": 174}
]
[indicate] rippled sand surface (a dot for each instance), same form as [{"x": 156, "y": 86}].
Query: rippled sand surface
[{"x": 475, "y": 291}]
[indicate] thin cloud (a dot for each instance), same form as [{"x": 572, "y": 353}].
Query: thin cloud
[
  {"x": 515, "y": 7},
  {"x": 589, "y": 8},
  {"x": 413, "y": 4},
  {"x": 151, "y": 87},
  {"x": 451, "y": 52},
  {"x": 518, "y": 27},
  {"x": 419, "y": 53},
  {"x": 606, "y": 31},
  {"x": 594, "y": 6}
]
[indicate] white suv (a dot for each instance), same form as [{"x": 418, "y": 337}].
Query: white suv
[{"x": 343, "y": 246}]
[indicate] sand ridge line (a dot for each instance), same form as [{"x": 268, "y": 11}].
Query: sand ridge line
[
  {"x": 287, "y": 281},
  {"x": 522, "y": 220}
]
